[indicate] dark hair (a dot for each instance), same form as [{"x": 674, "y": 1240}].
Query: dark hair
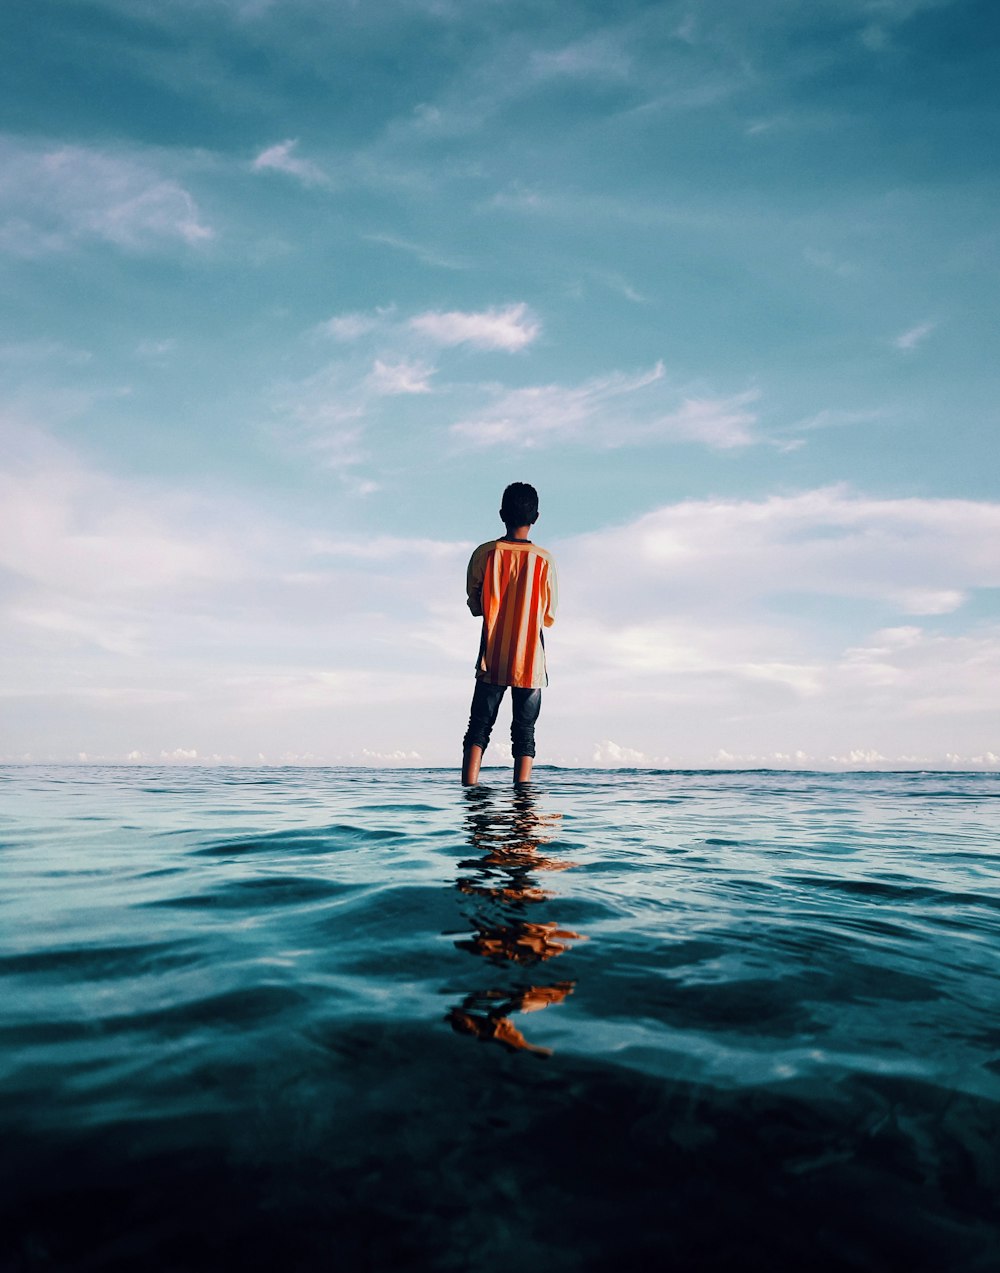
[{"x": 519, "y": 506}]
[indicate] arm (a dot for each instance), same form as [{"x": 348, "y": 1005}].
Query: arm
[
  {"x": 474, "y": 578},
  {"x": 551, "y": 597}
]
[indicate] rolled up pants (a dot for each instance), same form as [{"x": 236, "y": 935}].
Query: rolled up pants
[{"x": 527, "y": 704}]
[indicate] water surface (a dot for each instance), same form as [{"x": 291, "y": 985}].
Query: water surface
[{"x": 339, "y": 1019}]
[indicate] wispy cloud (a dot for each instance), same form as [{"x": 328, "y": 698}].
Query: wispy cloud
[
  {"x": 540, "y": 414},
  {"x": 600, "y": 56},
  {"x": 23, "y": 354},
  {"x": 826, "y": 260},
  {"x": 281, "y": 158},
  {"x": 883, "y": 16},
  {"x": 610, "y": 411},
  {"x": 757, "y": 127},
  {"x": 510, "y": 328},
  {"x": 498, "y": 327},
  {"x": 618, "y": 283},
  {"x": 835, "y": 418},
  {"x": 155, "y": 352},
  {"x": 721, "y": 423},
  {"x": 347, "y": 327},
  {"x": 424, "y": 253},
  {"x": 324, "y": 414},
  {"x": 53, "y": 197},
  {"x": 400, "y": 377},
  {"x": 914, "y": 336}
]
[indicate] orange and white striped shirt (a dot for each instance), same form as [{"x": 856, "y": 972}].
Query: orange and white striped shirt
[{"x": 512, "y": 584}]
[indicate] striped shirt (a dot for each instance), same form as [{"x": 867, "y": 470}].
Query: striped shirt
[{"x": 512, "y": 584}]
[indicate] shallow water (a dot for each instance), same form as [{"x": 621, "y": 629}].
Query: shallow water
[{"x": 338, "y": 1019}]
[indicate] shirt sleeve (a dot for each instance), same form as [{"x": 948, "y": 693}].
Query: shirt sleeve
[
  {"x": 551, "y": 596},
  {"x": 474, "y": 578}
]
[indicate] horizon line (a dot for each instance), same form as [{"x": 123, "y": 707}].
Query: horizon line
[{"x": 453, "y": 768}]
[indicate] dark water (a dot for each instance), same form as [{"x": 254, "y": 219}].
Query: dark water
[{"x": 333, "y": 1019}]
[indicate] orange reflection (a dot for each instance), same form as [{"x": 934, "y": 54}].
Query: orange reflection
[
  {"x": 490, "y": 1021},
  {"x": 508, "y": 830},
  {"x": 522, "y": 943}
]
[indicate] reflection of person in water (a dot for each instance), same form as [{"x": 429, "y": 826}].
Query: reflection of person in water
[
  {"x": 503, "y": 887},
  {"x": 486, "y": 1014}
]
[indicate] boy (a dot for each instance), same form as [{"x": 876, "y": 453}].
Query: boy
[{"x": 511, "y": 582}]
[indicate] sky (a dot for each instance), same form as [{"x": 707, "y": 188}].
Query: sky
[{"x": 294, "y": 288}]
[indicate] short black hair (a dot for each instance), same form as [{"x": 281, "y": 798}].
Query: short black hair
[{"x": 519, "y": 506}]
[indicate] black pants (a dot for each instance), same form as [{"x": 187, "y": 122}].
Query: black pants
[{"x": 483, "y": 716}]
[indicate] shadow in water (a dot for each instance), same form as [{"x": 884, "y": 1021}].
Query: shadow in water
[{"x": 512, "y": 931}]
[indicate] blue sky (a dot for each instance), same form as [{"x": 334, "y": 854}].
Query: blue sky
[{"x": 294, "y": 288}]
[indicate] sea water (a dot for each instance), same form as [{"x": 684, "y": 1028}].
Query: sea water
[{"x": 350, "y": 1019}]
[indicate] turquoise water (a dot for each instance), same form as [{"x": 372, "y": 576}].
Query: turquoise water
[{"x": 353, "y": 1019}]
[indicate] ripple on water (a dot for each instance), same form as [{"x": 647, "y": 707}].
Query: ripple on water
[
  {"x": 254, "y": 894},
  {"x": 98, "y": 963},
  {"x": 312, "y": 840},
  {"x": 609, "y": 1020}
]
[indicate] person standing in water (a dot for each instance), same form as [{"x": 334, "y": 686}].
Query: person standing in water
[{"x": 511, "y": 583}]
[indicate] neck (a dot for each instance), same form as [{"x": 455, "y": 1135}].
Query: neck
[{"x": 518, "y": 532}]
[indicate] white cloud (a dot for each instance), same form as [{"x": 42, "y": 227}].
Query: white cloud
[
  {"x": 610, "y": 411},
  {"x": 281, "y": 158},
  {"x": 519, "y": 198},
  {"x": 721, "y": 423},
  {"x": 756, "y": 127},
  {"x": 876, "y": 34},
  {"x": 874, "y": 38},
  {"x": 701, "y": 626},
  {"x": 123, "y": 603},
  {"x": 921, "y": 555},
  {"x": 859, "y": 756},
  {"x": 611, "y": 755},
  {"x": 96, "y": 625},
  {"x": 538, "y": 414},
  {"x": 832, "y": 417},
  {"x": 618, "y": 283},
  {"x": 53, "y": 197},
  {"x": 400, "y": 377},
  {"x": 510, "y": 328},
  {"x": 155, "y": 351},
  {"x": 336, "y": 403},
  {"x": 347, "y": 327},
  {"x": 914, "y": 336},
  {"x": 396, "y": 757},
  {"x": 324, "y": 414},
  {"x": 387, "y": 547},
  {"x": 139, "y": 619},
  {"x": 65, "y": 525}
]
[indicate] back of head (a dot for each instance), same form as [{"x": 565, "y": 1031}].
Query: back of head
[{"x": 520, "y": 505}]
